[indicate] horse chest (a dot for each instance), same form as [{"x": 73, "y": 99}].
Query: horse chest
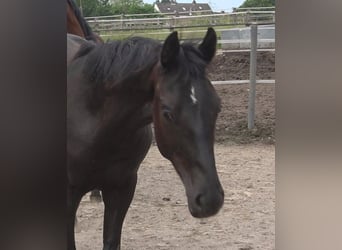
[{"x": 110, "y": 159}]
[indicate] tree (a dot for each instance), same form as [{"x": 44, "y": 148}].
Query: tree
[
  {"x": 131, "y": 7},
  {"x": 114, "y": 7},
  {"x": 95, "y": 7},
  {"x": 258, "y": 3}
]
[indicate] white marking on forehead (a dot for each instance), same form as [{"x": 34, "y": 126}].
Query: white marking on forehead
[{"x": 192, "y": 95}]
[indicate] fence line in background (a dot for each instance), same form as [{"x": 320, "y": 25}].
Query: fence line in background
[
  {"x": 182, "y": 14},
  {"x": 126, "y": 22},
  {"x": 254, "y": 8},
  {"x": 156, "y": 15},
  {"x": 243, "y": 50},
  {"x": 234, "y": 82}
]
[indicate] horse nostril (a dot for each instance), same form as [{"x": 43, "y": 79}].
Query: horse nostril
[{"x": 198, "y": 200}]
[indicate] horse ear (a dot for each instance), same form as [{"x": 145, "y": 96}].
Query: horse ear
[
  {"x": 208, "y": 45},
  {"x": 170, "y": 50}
]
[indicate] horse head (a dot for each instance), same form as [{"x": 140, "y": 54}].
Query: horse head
[{"x": 185, "y": 109}]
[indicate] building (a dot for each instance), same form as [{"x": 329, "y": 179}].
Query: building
[{"x": 182, "y": 9}]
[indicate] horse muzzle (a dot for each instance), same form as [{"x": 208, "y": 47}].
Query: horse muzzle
[
  {"x": 203, "y": 189},
  {"x": 207, "y": 203}
]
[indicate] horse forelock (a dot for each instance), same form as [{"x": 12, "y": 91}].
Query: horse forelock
[
  {"x": 193, "y": 60},
  {"x": 193, "y": 81}
]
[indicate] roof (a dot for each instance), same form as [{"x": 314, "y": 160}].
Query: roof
[{"x": 181, "y": 7}]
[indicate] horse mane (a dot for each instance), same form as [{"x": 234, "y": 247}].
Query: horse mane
[
  {"x": 124, "y": 64},
  {"x": 115, "y": 62},
  {"x": 89, "y": 35}
]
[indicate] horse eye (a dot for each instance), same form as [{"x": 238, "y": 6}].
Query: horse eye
[{"x": 168, "y": 115}]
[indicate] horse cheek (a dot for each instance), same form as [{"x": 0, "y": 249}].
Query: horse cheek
[{"x": 159, "y": 133}]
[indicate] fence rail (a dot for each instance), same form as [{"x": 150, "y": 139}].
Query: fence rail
[
  {"x": 107, "y": 24},
  {"x": 233, "y": 82}
]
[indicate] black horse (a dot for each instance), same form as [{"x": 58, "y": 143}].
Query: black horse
[
  {"x": 77, "y": 25},
  {"x": 115, "y": 91}
]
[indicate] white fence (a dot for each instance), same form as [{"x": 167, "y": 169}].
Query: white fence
[
  {"x": 128, "y": 22},
  {"x": 240, "y": 38}
]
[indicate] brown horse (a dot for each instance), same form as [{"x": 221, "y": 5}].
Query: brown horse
[
  {"x": 115, "y": 90},
  {"x": 77, "y": 25}
]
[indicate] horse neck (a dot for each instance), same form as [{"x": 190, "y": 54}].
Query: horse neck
[
  {"x": 139, "y": 98},
  {"x": 136, "y": 74},
  {"x": 130, "y": 105},
  {"x": 132, "y": 110},
  {"x": 127, "y": 80}
]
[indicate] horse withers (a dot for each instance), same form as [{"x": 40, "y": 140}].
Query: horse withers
[{"x": 115, "y": 91}]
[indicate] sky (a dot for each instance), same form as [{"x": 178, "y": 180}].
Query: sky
[{"x": 216, "y": 5}]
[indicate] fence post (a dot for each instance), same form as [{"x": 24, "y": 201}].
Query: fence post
[
  {"x": 96, "y": 25},
  {"x": 81, "y": 7},
  {"x": 172, "y": 23},
  {"x": 252, "y": 75},
  {"x": 122, "y": 22}
]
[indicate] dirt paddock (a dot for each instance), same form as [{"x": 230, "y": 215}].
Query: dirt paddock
[{"x": 158, "y": 217}]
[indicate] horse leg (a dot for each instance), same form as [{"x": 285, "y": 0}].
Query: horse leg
[
  {"x": 116, "y": 203},
  {"x": 95, "y": 195},
  {"x": 74, "y": 198}
]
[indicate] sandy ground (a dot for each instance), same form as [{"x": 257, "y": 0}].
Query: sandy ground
[
  {"x": 159, "y": 219},
  {"x": 231, "y": 125}
]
